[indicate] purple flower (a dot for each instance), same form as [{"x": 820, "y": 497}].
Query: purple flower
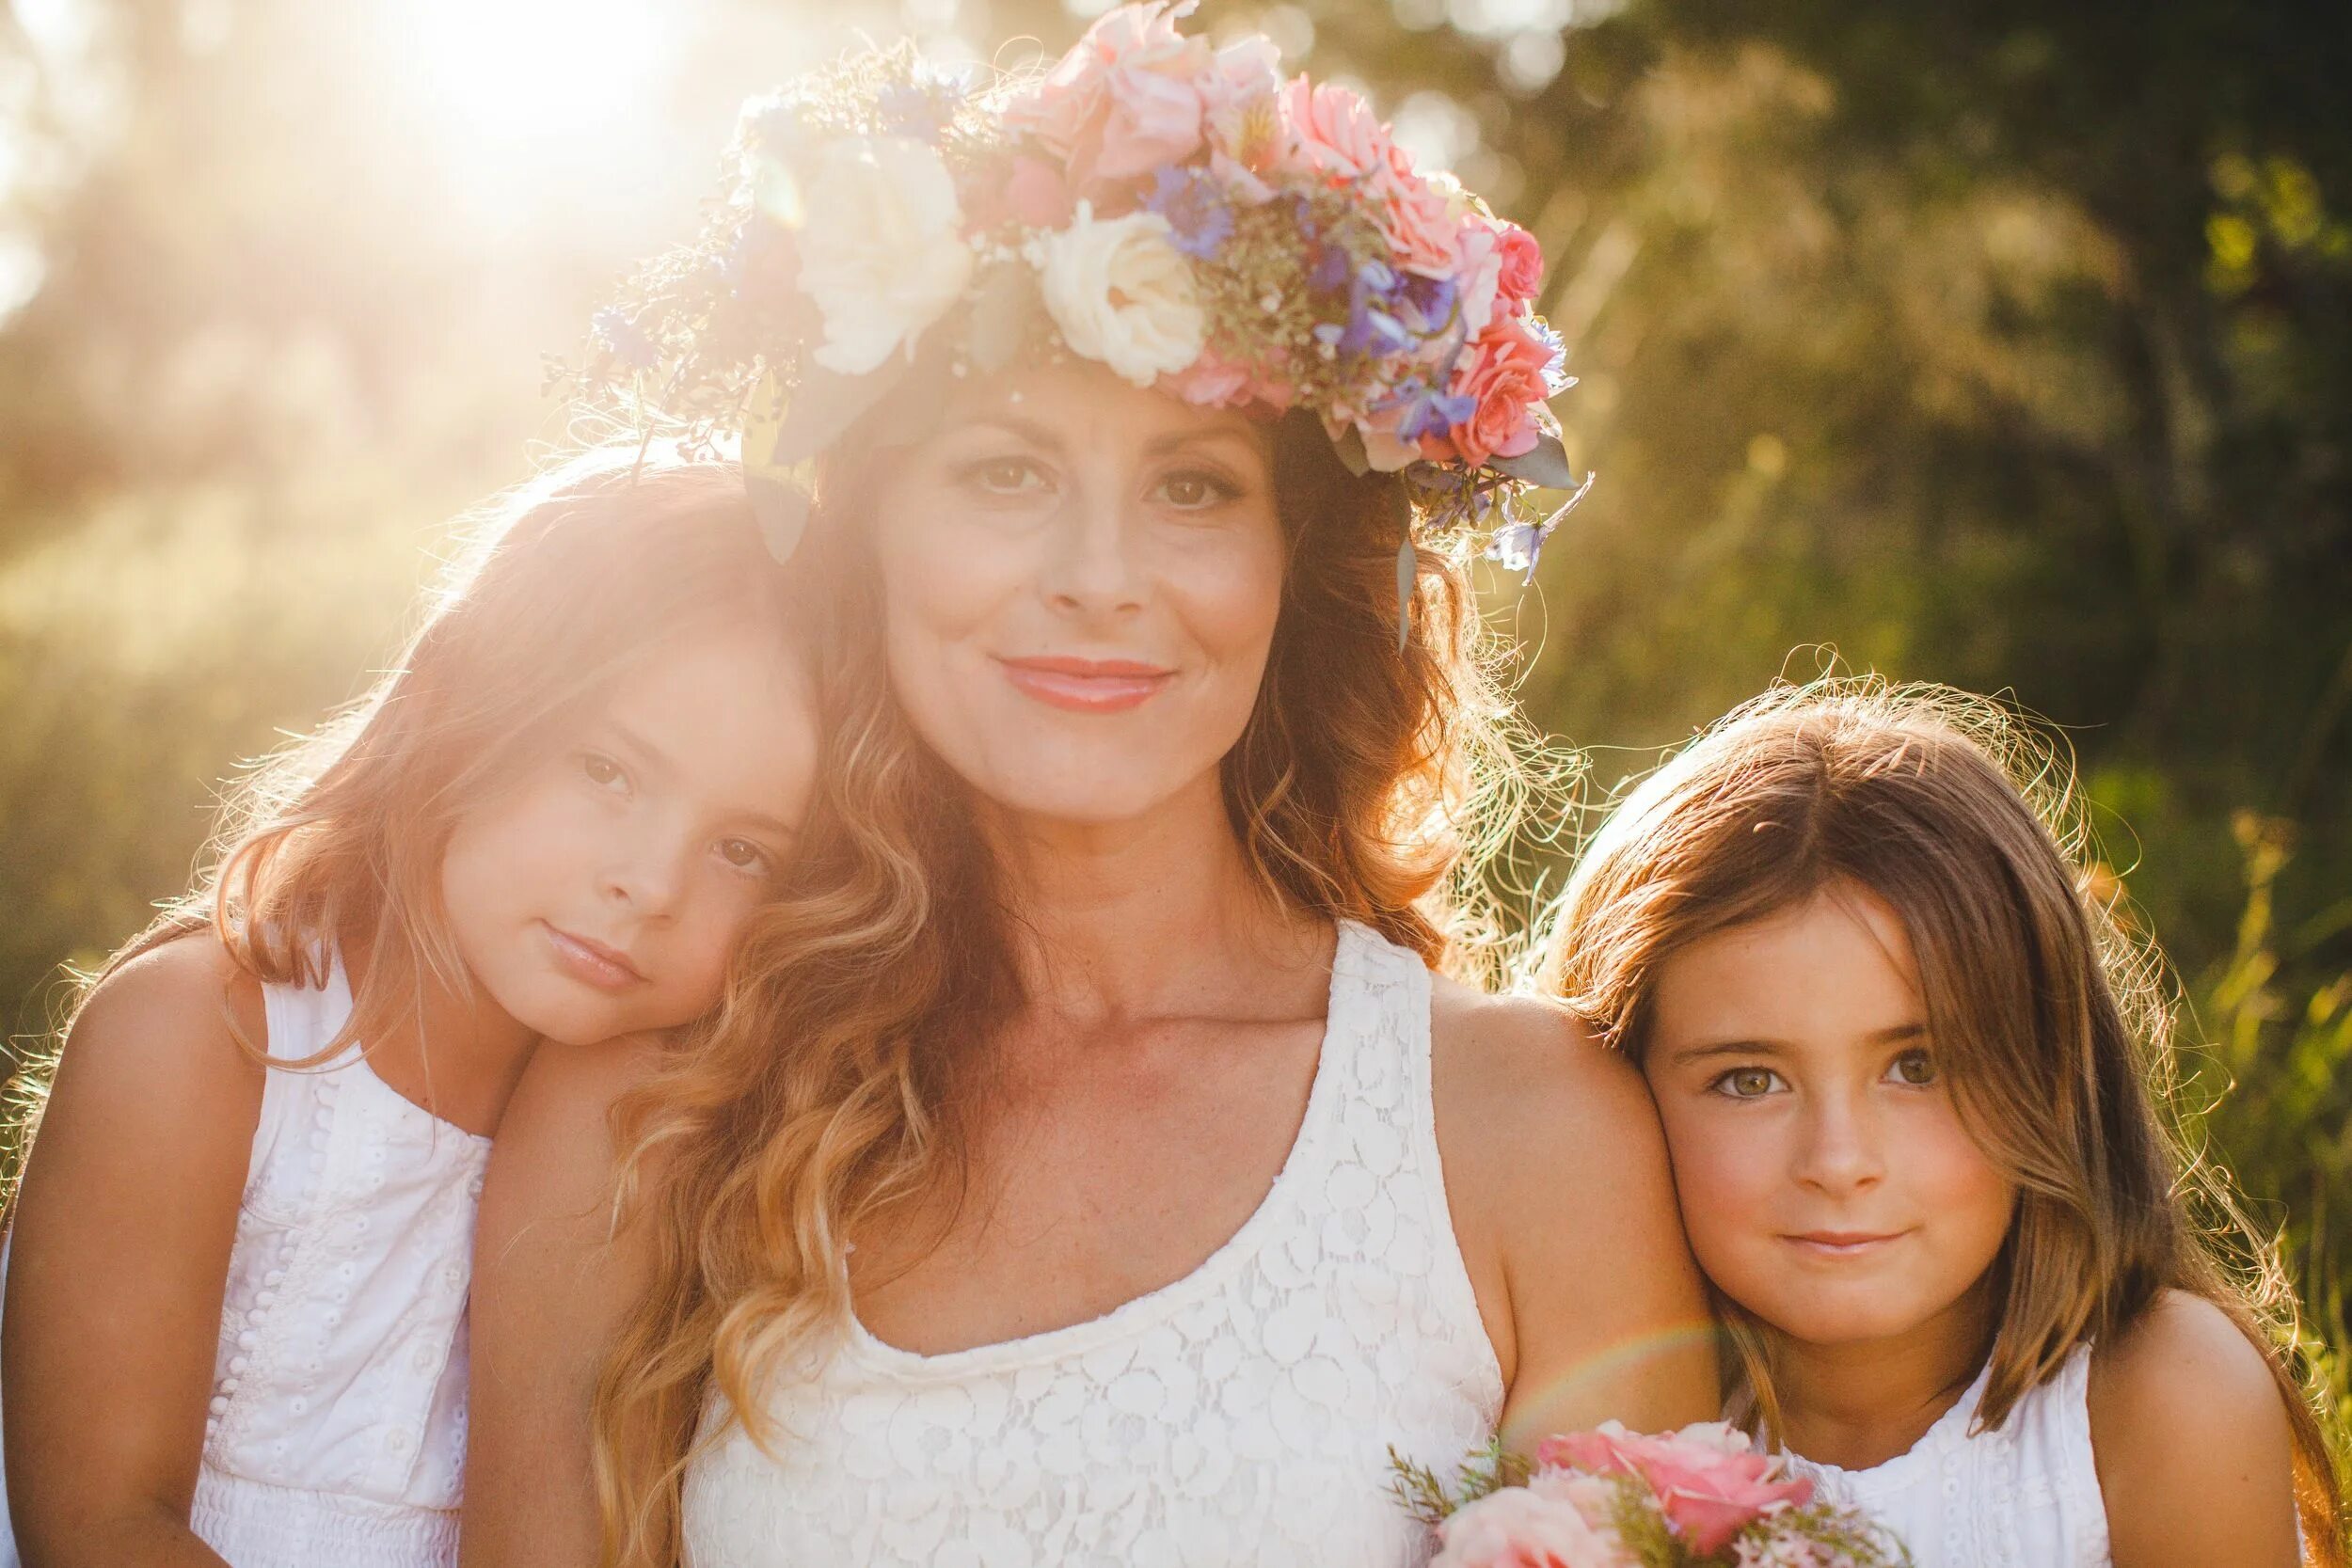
[
  {"x": 1428, "y": 410},
  {"x": 1194, "y": 207},
  {"x": 1426, "y": 305},
  {"x": 1517, "y": 546},
  {"x": 915, "y": 109},
  {"x": 1371, "y": 326},
  {"x": 624, "y": 340},
  {"x": 1556, "y": 376}
]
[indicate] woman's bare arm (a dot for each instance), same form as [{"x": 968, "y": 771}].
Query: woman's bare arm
[
  {"x": 551, "y": 1283},
  {"x": 1557, "y": 1174},
  {"x": 119, "y": 1261}
]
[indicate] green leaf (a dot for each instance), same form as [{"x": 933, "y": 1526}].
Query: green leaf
[{"x": 1546, "y": 464}]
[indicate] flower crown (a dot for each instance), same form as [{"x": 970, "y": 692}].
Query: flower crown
[{"x": 1177, "y": 214}]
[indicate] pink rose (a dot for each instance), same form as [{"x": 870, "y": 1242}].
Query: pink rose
[
  {"x": 1517, "y": 1527},
  {"x": 1478, "y": 284},
  {"x": 1505, "y": 375},
  {"x": 1337, "y": 135},
  {"x": 1419, "y": 219},
  {"x": 1522, "y": 271},
  {"x": 1709, "y": 1482},
  {"x": 1122, "y": 101},
  {"x": 1038, "y": 194}
]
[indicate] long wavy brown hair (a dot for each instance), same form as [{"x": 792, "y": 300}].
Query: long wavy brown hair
[
  {"x": 563, "y": 584},
  {"x": 2052, "y": 1020},
  {"x": 1372, "y": 782}
]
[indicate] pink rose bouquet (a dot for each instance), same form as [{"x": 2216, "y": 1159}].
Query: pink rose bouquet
[{"x": 1700, "y": 1497}]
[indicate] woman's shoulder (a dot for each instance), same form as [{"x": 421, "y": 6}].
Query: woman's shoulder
[
  {"x": 568, "y": 1090},
  {"x": 1530, "y": 1062},
  {"x": 2174, "y": 1389}
]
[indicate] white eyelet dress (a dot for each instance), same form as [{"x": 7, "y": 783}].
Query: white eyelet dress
[
  {"x": 1241, "y": 1415},
  {"x": 337, "y": 1432},
  {"x": 2026, "y": 1495}
]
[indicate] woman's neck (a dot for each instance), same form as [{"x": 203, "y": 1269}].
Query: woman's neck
[
  {"x": 1859, "y": 1404},
  {"x": 1127, "y": 919}
]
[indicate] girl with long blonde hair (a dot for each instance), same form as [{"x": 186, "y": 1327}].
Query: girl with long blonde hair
[
  {"x": 238, "y": 1265},
  {"x": 1913, "y": 1080},
  {"x": 1085, "y": 1162}
]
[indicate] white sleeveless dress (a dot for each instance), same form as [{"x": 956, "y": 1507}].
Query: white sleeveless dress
[
  {"x": 1242, "y": 1415},
  {"x": 2023, "y": 1496},
  {"x": 337, "y": 1430}
]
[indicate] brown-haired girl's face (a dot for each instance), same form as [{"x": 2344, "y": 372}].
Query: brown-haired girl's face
[
  {"x": 1827, "y": 1183},
  {"x": 601, "y": 893},
  {"x": 1080, "y": 584}
]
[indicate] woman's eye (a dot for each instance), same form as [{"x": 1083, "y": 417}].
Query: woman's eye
[
  {"x": 1915, "y": 1068},
  {"x": 1004, "y": 476},
  {"x": 602, "y": 771},
  {"x": 1193, "y": 492},
  {"x": 1745, "y": 1083}
]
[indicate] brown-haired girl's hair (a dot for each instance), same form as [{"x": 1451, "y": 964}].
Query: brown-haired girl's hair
[
  {"x": 2051, "y": 1020},
  {"x": 564, "y": 583},
  {"x": 1371, "y": 783}
]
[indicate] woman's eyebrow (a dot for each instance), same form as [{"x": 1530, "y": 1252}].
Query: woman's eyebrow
[{"x": 1015, "y": 424}]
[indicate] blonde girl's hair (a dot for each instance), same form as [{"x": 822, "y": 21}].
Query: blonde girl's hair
[
  {"x": 2051, "y": 1022},
  {"x": 564, "y": 583},
  {"x": 1372, "y": 782}
]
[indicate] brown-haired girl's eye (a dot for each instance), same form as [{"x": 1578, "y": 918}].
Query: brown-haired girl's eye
[
  {"x": 1915, "y": 1068},
  {"x": 1745, "y": 1083}
]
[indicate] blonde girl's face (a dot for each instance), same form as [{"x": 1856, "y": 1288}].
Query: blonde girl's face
[
  {"x": 1826, "y": 1181},
  {"x": 601, "y": 893},
  {"x": 1080, "y": 585}
]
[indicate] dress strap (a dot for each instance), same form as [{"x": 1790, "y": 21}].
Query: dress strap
[{"x": 298, "y": 1102}]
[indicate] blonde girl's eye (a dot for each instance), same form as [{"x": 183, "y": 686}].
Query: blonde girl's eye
[
  {"x": 1745, "y": 1083},
  {"x": 1197, "y": 490},
  {"x": 1914, "y": 1068},
  {"x": 603, "y": 771},
  {"x": 747, "y": 857}
]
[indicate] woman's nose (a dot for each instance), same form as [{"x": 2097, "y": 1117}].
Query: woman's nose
[{"x": 1093, "y": 564}]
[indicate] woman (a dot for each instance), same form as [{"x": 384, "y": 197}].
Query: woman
[{"x": 1085, "y": 1165}]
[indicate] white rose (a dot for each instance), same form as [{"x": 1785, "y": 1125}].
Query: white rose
[
  {"x": 880, "y": 254},
  {"x": 1122, "y": 294}
]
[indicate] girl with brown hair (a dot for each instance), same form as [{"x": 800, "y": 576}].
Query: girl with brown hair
[
  {"x": 237, "y": 1268},
  {"x": 1912, "y": 1080},
  {"x": 1085, "y": 1164}
]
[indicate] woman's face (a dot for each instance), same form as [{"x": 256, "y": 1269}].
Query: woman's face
[
  {"x": 1080, "y": 581},
  {"x": 1827, "y": 1182}
]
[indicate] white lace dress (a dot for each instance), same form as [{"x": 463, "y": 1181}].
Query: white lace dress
[
  {"x": 1242, "y": 1415},
  {"x": 336, "y": 1432},
  {"x": 2023, "y": 1496}
]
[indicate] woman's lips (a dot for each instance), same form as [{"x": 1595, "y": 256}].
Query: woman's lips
[
  {"x": 1086, "y": 685},
  {"x": 1844, "y": 1244},
  {"x": 591, "y": 961}
]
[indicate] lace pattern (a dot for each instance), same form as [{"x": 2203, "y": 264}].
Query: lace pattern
[{"x": 1242, "y": 1415}]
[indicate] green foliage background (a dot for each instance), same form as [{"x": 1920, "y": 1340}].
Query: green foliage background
[{"x": 2002, "y": 344}]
